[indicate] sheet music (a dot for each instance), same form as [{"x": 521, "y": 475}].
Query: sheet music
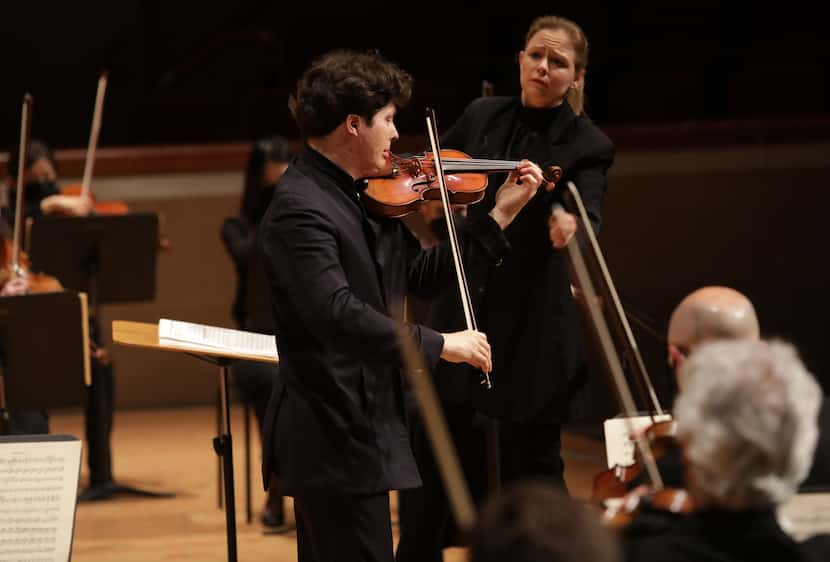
[
  {"x": 619, "y": 448},
  {"x": 805, "y": 515},
  {"x": 38, "y": 487},
  {"x": 174, "y": 332}
]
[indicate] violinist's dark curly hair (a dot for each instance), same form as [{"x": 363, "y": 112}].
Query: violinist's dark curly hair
[{"x": 344, "y": 82}]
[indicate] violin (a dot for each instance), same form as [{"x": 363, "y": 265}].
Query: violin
[
  {"x": 656, "y": 496},
  {"x": 99, "y": 207},
  {"x": 13, "y": 261},
  {"x": 615, "y": 482},
  {"x": 36, "y": 282},
  {"x": 415, "y": 180},
  {"x": 621, "y": 514}
]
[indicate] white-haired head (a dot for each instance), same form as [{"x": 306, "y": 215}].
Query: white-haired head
[{"x": 748, "y": 421}]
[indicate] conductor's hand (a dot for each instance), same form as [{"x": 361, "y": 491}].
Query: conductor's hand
[
  {"x": 515, "y": 192},
  {"x": 561, "y": 228},
  {"x": 468, "y": 346}
]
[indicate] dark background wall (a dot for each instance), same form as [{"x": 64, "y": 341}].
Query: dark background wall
[
  {"x": 186, "y": 71},
  {"x": 721, "y": 112}
]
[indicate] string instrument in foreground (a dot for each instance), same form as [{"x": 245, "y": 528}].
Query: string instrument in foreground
[{"x": 658, "y": 496}]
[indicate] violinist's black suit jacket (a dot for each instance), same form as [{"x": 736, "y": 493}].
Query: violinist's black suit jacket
[
  {"x": 335, "y": 422},
  {"x": 525, "y": 305}
]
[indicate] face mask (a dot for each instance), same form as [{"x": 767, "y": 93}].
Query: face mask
[{"x": 35, "y": 190}]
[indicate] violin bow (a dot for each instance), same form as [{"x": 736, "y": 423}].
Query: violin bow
[
  {"x": 463, "y": 287},
  {"x": 620, "y": 319},
  {"x": 608, "y": 351},
  {"x": 93, "y": 134},
  {"x": 23, "y": 155}
]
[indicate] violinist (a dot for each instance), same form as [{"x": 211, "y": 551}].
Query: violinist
[
  {"x": 747, "y": 425},
  {"x": 42, "y": 197},
  {"x": 524, "y": 305},
  {"x": 266, "y": 164},
  {"x": 335, "y": 430},
  {"x": 41, "y": 193}
]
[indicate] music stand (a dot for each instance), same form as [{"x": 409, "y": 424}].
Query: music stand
[
  {"x": 44, "y": 351},
  {"x": 259, "y": 318},
  {"x": 143, "y": 334},
  {"x": 112, "y": 258}
]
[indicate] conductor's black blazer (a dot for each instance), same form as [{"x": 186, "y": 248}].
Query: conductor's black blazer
[{"x": 525, "y": 305}]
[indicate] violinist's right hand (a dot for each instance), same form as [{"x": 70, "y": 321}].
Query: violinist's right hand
[
  {"x": 16, "y": 285},
  {"x": 67, "y": 205},
  {"x": 468, "y": 346}
]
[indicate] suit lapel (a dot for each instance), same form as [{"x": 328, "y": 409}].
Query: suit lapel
[{"x": 354, "y": 214}]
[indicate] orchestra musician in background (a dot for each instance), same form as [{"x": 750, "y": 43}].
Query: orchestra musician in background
[
  {"x": 42, "y": 196},
  {"x": 266, "y": 164},
  {"x": 747, "y": 425}
]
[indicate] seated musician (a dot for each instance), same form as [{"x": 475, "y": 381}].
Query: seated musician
[
  {"x": 722, "y": 313},
  {"x": 706, "y": 314},
  {"x": 534, "y": 521},
  {"x": 42, "y": 196},
  {"x": 747, "y": 424},
  {"x": 267, "y": 162}
]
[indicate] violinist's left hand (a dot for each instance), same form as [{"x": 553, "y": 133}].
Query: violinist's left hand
[
  {"x": 516, "y": 191},
  {"x": 561, "y": 228}
]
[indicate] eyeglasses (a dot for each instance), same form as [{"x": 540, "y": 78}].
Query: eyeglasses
[{"x": 675, "y": 353}]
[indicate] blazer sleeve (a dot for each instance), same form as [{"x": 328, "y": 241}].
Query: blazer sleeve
[
  {"x": 304, "y": 243},
  {"x": 482, "y": 243},
  {"x": 238, "y": 238}
]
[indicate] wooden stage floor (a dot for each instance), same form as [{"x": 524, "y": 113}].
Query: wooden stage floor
[{"x": 170, "y": 450}]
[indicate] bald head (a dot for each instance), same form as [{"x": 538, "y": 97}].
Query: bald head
[{"x": 712, "y": 313}]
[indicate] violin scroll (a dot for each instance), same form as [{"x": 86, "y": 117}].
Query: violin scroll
[{"x": 552, "y": 175}]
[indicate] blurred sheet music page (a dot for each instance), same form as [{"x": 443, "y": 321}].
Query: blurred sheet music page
[
  {"x": 38, "y": 490},
  {"x": 619, "y": 445},
  {"x": 173, "y": 332}
]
